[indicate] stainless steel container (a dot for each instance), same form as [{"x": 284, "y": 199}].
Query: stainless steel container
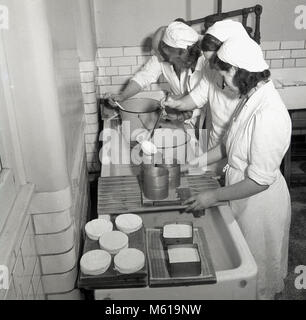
[
  {"x": 139, "y": 114},
  {"x": 174, "y": 174},
  {"x": 155, "y": 182}
]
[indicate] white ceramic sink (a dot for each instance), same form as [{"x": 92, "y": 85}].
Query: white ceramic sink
[{"x": 291, "y": 85}]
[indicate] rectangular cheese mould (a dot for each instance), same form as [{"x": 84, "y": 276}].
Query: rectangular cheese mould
[{"x": 157, "y": 258}]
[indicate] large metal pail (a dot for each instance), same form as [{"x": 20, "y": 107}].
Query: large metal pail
[{"x": 139, "y": 114}]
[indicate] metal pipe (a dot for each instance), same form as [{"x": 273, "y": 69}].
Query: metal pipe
[{"x": 219, "y": 6}]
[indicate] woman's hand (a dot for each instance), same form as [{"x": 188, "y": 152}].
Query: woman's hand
[
  {"x": 111, "y": 98},
  {"x": 202, "y": 201},
  {"x": 172, "y": 103}
]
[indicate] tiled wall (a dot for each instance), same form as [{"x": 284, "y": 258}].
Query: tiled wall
[
  {"x": 285, "y": 54},
  {"x": 89, "y": 90},
  {"x": 25, "y": 277},
  {"x": 117, "y": 65},
  {"x": 58, "y": 223}
]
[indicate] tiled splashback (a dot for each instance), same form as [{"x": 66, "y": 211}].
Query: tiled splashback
[
  {"x": 117, "y": 65},
  {"x": 285, "y": 54}
]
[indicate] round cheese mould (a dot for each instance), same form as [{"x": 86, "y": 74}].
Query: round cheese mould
[
  {"x": 95, "y": 228},
  {"x": 129, "y": 261},
  {"x": 128, "y": 223},
  {"x": 95, "y": 262},
  {"x": 114, "y": 241}
]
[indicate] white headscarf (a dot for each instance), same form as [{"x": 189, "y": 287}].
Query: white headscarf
[
  {"x": 226, "y": 29},
  {"x": 179, "y": 35},
  {"x": 243, "y": 53}
]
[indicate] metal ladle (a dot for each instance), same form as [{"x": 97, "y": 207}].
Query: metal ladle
[{"x": 119, "y": 105}]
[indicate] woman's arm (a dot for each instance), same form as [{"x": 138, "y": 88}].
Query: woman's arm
[
  {"x": 197, "y": 98},
  {"x": 210, "y": 198},
  {"x": 184, "y": 104}
]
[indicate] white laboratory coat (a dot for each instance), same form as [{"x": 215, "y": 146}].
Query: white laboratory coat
[
  {"x": 222, "y": 103},
  {"x": 153, "y": 69},
  {"x": 256, "y": 144}
]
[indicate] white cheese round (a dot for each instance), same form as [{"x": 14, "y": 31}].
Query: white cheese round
[
  {"x": 95, "y": 262},
  {"x": 128, "y": 223},
  {"x": 114, "y": 241},
  {"x": 129, "y": 261},
  {"x": 95, "y": 228}
]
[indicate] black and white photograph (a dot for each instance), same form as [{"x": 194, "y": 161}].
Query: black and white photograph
[{"x": 152, "y": 152}]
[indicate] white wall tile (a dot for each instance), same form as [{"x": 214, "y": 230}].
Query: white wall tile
[
  {"x": 301, "y": 62},
  {"x": 103, "y": 62},
  {"x": 123, "y": 61},
  {"x": 110, "y": 89},
  {"x": 111, "y": 71},
  {"x": 58, "y": 263},
  {"x": 101, "y": 71},
  {"x": 278, "y": 54},
  {"x": 120, "y": 79},
  {"x": 136, "y": 51},
  {"x": 91, "y": 138},
  {"x": 289, "y": 63},
  {"x": 92, "y": 128},
  {"x": 52, "y": 222},
  {"x": 87, "y": 76},
  {"x": 90, "y": 107},
  {"x": 277, "y": 63},
  {"x": 104, "y": 81},
  {"x": 270, "y": 45},
  {"x": 55, "y": 243},
  {"x": 298, "y": 54},
  {"x": 125, "y": 70},
  {"x": 60, "y": 282},
  {"x": 89, "y": 97},
  {"x": 88, "y": 87},
  {"x": 292, "y": 44},
  {"x": 91, "y": 147}
]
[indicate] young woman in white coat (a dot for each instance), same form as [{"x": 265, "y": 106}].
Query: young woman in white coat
[
  {"x": 177, "y": 56},
  {"x": 219, "y": 101},
  {"x": 255, "y": 144}
]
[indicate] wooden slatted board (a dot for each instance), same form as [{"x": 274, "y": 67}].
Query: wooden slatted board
[
  {"x": 119, "y": 195},
  {"x": 158, "y": 272}
]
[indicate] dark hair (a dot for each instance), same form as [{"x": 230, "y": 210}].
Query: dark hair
[
  {"x": 210, "y": 43},
  {"x": 243, "y": 79},
  {"x": 190, "y": 55}
]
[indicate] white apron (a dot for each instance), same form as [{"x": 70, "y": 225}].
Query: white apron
[{"x": 256, "y": 144}]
